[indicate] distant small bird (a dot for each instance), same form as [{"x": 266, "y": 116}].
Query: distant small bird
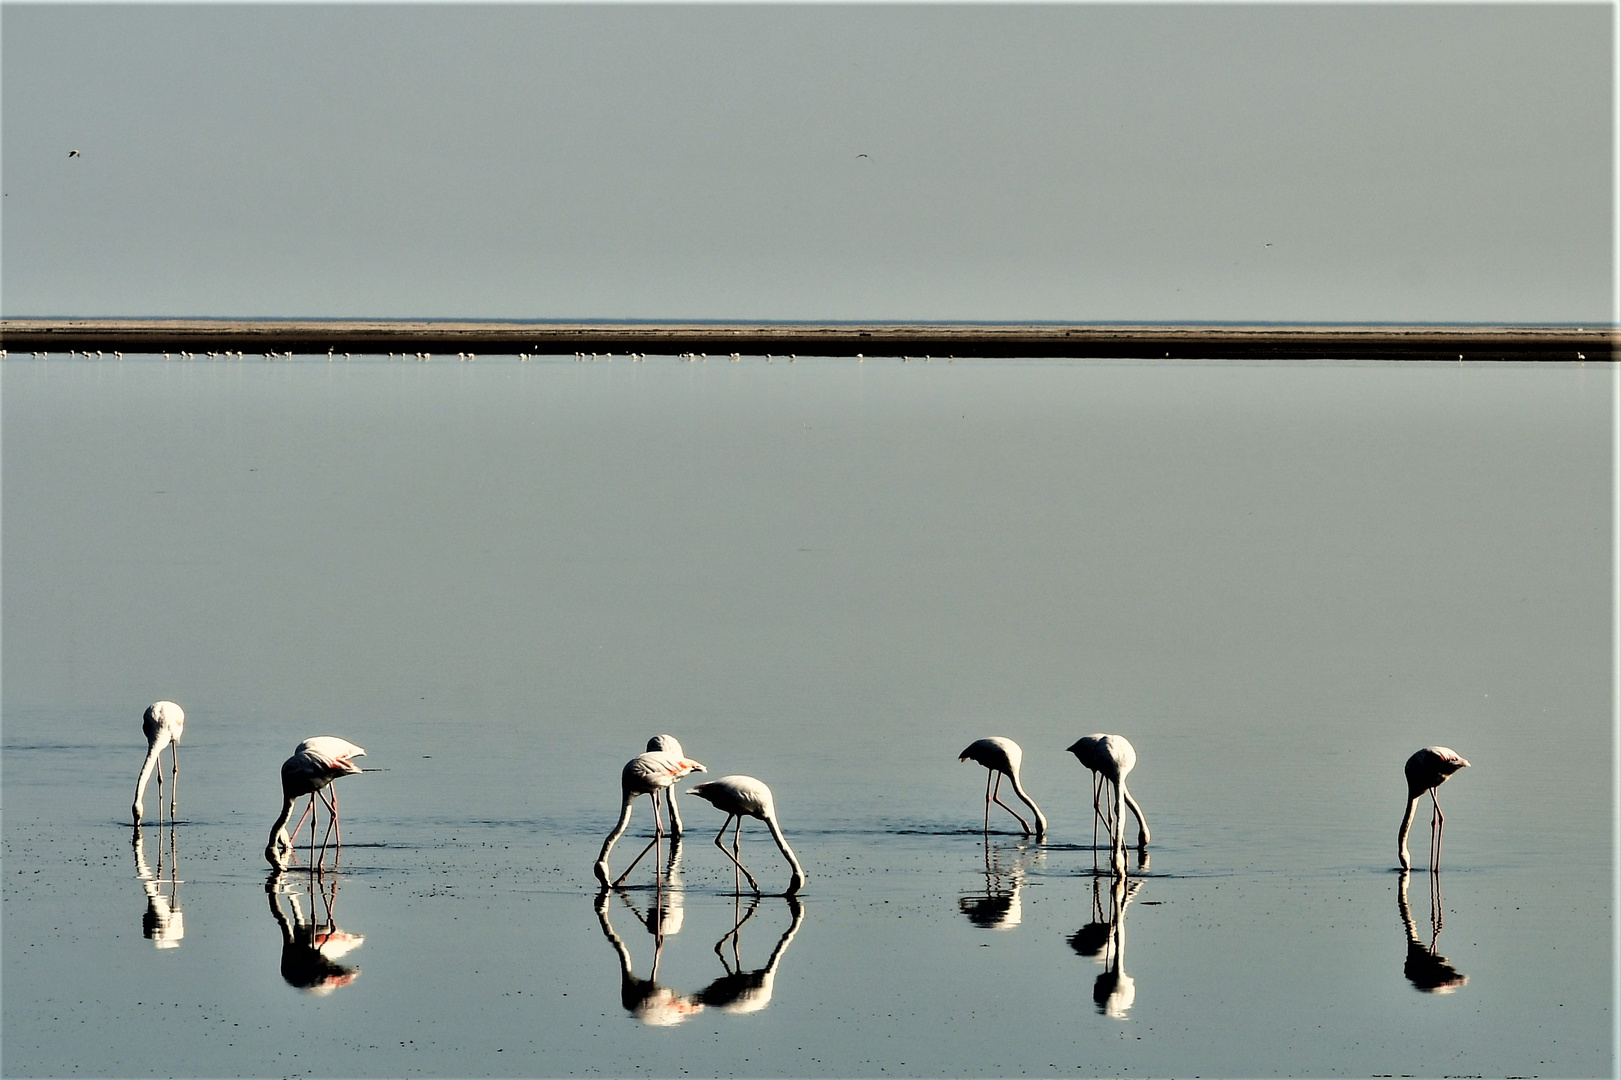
[
  {"x": 74, "y": 153},
  {"x": 861, "y": 155},
  {"x": 1002, "y": 757},
  {"x": 163, "y": 724},
  {"x": 1427, "y": 770}
]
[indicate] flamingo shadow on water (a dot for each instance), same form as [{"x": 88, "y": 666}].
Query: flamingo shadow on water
[
  {"x": 645, "y": 774},
  {"x": 311, "y": 945},
  {"x": 1104, "y": 940},
  {"x": 999, "y": 906},
  {"x": 163, "y": 923},
  {"x": 1002, "y": 757},
  {"x": 1425, "y": 967},
  {"x": 163, "y": 724}
]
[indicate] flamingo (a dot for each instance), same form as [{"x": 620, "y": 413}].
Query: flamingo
[
  {"x": 1089, "y": 750},
  {"x": 1426, "y": 770},
  {"x": 1112, "y": 757},
  {"x": 744, "y": 796},
  {"x": 669, "y": 744},
  {"x": 644, "y": 774},
  {"x": 1002, "y": 757},
  {"x": 163, "y": 725},
  {"x": 314, "y": 765}
]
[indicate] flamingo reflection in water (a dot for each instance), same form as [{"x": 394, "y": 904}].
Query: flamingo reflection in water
[
  {"x": 645, "y": 999},
  {"x": 739, "y": 990},
  {"x": 163, "y": 923},
  {"x": 999, "y": 907},
  {"x": 1104, "y": 940},
  {"x": 1426, "y": 968},
  {"x": 746, "y": 991},
  {"x": 311, "y": 949}
]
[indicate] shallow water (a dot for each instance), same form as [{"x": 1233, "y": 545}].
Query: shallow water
[{"x": 501, "y": 578}]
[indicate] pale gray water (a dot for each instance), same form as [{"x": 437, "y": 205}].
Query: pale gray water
[{"x": 501, "y": 578}]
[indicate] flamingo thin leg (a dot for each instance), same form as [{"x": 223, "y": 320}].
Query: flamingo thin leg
[{"x": 997, "y": 796}]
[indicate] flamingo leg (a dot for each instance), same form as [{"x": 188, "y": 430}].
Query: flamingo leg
[
  {"x": 1438, "y": 821},
  {"x": 160, "y": 788},
  {"x": 174, "y": 780},
  {"x": 988, "y": 773},
  {"x": 633, "y": 863},
  {"x": 997, "y": 796},
  {"x": 331, "y": 823},
  {"x": 307, "y": 807},
  {"x": 720, "y": 842}
]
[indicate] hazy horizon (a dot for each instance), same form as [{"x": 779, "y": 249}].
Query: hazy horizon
[{"x": 1108, "y": 163}]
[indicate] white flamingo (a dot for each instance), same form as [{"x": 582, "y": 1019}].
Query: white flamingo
[
  {"x": 1089, "y": 749},
  {"x": 1113, "y": 757},
  {"x": 1002, "y": 757},
  {"x": 163, "y": 725},
  {"x": 645, "y": 774},
  {"x": 1427, "y": 770},
  {"x": 669, "y": 744},
  {"x": 744, "y": 796},
  {"x": 314, "y": 765}
]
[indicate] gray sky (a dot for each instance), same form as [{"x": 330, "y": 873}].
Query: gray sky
[{"x": 1089, "y": 162}]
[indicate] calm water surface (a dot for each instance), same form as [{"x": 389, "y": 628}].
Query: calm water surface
[{"x": 501, "y": 578}]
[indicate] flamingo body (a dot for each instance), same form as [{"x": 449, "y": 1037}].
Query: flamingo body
[
  {"x": 744, "y": 796},
  {"x": 669, "y": 744},
  {"x": 163, "y": 724},
  {"x": 314, "y": 764},
  {"x": 1003, "y": 757},
  {"x": 644, "y": 774},
  {"x": 1427, "y": 770},
  {"x": 1111, "y": 757}
]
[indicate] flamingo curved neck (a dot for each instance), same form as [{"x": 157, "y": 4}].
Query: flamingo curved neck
[
  {"x": 618, "y": 830},
  {"x": 1137, "y": 811},
  {"x": 152, "y": 753},
  {"x": 278, "y": 835},
  {"x": 1406, "y": 825},
  {"x": 797, "y": 882},
  {"x": 1035, "y": 811}
]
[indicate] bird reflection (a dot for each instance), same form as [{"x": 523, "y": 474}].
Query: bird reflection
[
  {"x": 163, "y": 923},
  {"x": 310, "y": 949},
  {"x": 1104, "y": 940},
  {"x": 740, "y": 991},
  {"x": 1426, "y": 968},
  {"x": 998, "y": 907},
  {"x": 645, "y": 999}
]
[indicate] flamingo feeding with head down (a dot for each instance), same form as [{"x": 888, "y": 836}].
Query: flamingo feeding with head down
[
  {"x": 1427, "y": 770},
  {"x": 1112, "y": 757},
  {"x": 163, "y": 725},
  {"x": 1103, "y": 759},
  {"x": 645, "y": 774},
  {"x": 1002, "y": 757},
  {"x": 744, "y": 796},
  {"x": 314, "y": 765}
]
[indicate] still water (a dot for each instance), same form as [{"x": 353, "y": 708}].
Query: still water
[{"x": 501, "y": 578}]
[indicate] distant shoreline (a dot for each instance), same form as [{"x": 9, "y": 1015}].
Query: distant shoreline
[{"x": 1163, "y": 341}]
